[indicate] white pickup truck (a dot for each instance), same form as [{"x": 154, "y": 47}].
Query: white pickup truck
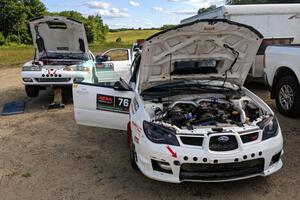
[{"x": 282, "y": 75}]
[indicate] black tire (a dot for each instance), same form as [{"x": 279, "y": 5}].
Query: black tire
[
  {"x": 132, "y": 157},
  {"x": 288, "y": 83},
  {"x": 32, "y": 91}
]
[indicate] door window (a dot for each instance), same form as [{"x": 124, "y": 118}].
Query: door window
[
  {"x": 104, "y": 74},
  {"x": 117, "y": 55}
]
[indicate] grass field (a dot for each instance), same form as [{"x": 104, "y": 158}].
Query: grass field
[
  {"x": 129, "y": 37},
  {"x": 17, "y": 55}
]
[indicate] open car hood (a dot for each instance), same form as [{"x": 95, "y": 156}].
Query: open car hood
[
  {"x": 204, "y": 49},
  {"x": 58, "y": 34}
]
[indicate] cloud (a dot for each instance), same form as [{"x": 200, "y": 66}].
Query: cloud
[
  {"x": 113, "y": 13},
  {"x": 97, "y": 4},
  {"x": 201, "y": 3},
  {"x": 177, "y": 12},
  {"x": 156, "y": 8},
  {"x": 183, "y": 12},
  {"x": 119, "y": 24},
  {"x": 134, "y": 3}
]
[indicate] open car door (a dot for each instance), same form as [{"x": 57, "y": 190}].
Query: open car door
[
  {"x": 103, "y": 101},
  {"x": 117, "y": 59}
]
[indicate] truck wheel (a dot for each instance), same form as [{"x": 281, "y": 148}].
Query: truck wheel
[
  {"x": 132, "y": 157},
  {"x": 287, "y": 96},
  {"x": 32, "y": 91}
]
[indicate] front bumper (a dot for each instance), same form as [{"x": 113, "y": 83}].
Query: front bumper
[
  {"x": 199, "y": 157},
  {"x": 53, "y": 77}
]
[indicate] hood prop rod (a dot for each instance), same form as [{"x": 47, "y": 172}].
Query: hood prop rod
[{"x": 237, "y": 54}]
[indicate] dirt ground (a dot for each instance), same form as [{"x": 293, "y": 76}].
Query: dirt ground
[{"x": 45, "y": 155}]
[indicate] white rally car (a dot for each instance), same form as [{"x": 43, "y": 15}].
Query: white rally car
[
  {"x": 187, "y": 115},
  {"x": 61, "y": 56}
]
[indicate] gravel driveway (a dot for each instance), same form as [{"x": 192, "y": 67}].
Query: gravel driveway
[{"x": 44, "y": 154}]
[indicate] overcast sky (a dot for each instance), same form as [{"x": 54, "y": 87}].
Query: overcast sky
[{"x": 134, "y": 13}]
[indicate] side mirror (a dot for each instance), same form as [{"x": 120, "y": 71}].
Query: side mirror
[{"x": 119, "y": 86}]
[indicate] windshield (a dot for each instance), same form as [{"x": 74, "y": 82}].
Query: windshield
[
  {"x": 185, "y": 87},
  {"x": 65, "y": 56}
]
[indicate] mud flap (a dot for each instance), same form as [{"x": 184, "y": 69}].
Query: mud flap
[{"x": 57, "y": 100}]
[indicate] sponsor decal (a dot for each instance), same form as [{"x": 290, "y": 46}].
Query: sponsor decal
[
  {"x": 52, "y": 71},
  {"x": 138, "y": 135},
  {"x": 113, "y": 103},
  {"x": 137, "y": 127},
  {"x": 135, "y": 104},
  {"x": 136, "y": 139}
]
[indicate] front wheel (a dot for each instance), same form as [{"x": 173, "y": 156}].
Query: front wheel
[
  {"x": 32, "y": 91},
  {"x": 287, "y": 96}
]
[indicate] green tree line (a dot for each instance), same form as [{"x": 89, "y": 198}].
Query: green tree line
[{"x": 14, "y": 16}]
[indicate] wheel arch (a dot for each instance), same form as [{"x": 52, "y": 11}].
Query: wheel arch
[{"x": 281, "y": 72}]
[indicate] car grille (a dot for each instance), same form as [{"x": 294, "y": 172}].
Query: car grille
[
  {"x": 199, "y": 171},
  {"x": 216, "y": 145},
  {"x": 53, "y": 79},
  {"x": 195, "y": 141}
]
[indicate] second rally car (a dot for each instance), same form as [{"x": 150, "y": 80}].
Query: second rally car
[{"x": 61, "y": 55}]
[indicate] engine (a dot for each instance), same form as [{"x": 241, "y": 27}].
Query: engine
[{"x": 205, "y": 112}]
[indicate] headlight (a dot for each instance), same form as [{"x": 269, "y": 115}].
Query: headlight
[
  {"x": 77, "y": 68},
  {"x": 270, "y": 127},
  {"x": 31, "y": 68},
  {"x": 159, "y": 134}
]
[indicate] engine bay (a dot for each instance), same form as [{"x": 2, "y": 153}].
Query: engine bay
[
  {"x": 53, "y": 62},
  {"x": 205, "y": 112}
]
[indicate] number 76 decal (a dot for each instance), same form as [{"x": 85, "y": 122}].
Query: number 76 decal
[{"x": 113, "y": 104}]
